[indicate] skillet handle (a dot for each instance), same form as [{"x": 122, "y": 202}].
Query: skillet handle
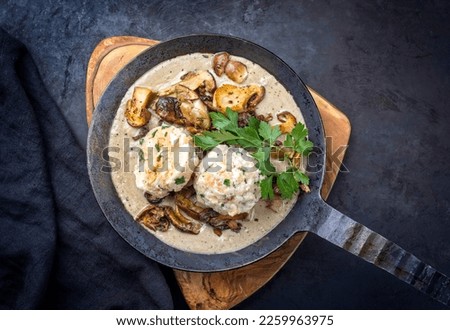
[{"x": 359, "y": 240}]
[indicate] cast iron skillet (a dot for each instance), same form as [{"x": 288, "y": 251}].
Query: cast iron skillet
[{"x": 310, "y": 213}]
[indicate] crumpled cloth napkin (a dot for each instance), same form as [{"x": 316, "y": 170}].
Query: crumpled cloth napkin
[{"x": 57, "y": 250}]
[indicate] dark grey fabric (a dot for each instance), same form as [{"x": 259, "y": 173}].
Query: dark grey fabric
[{"x": 56, "y": 248}]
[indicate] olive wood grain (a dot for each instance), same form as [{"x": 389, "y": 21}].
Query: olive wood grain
[{"x": 219, "y": 290}]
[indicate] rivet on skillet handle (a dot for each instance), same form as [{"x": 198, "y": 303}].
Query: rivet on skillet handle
[{"x": 359, "y": 240}]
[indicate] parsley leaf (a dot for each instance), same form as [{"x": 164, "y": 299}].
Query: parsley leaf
[
  {"x": 227, "y": 182},
  {"x": 210, "y": 139},
  {"x": 289, "y": 143},
  {"x": 262, "y": 156},
  {"x": 299, "y": 132},
  {"x": 205, "y": 142},
  {"x": 180, "y": 180},
  {"x": 254, "y": 122},
  {"x": 303, "y": 147},
  {"x": 233, "y": 116},
  {"x": 220, "y": 121},
  {"x": 227, "y": 121},
  {"x": 248, "y": 137},
  {"x": 301, "y": 177},
  {"x": 268, "y": 133},
  {"x": 287, "y": 184},
  {"x": 301, "y": 144}
]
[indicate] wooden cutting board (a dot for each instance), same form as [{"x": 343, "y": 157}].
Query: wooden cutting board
[{"x": 219, "y": 290}]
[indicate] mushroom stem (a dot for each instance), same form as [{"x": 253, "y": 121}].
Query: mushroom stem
[
  {"x": 153, "y": 217},
  {"x": 181, "y": 222}
]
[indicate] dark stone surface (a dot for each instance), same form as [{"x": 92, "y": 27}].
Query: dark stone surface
[{"x": 386, "y": 65}]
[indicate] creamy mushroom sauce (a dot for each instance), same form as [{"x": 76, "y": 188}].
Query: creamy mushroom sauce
[{"x": 262, "y": 220}]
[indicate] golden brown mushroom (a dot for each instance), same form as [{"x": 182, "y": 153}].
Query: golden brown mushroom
[
  {"x": 187, "y": 205},
  {"x": 220, "y": 61},
  {"x": 266, "y": 118},
  {"x": 236, "y": 71},
  {"x": 153, "y": 217},
  {"x": 168, "y": 108},
  {"x": 196, "y": 79},
  {"x": 181, "y": 222},
  {"x": 196, "y": 114},
  {"x": 136, "y": 111},
  {"x": 184, "y": 112},
  {"x": 238, "y": 98},
  {"x": 225, "y": 223},
  {"x": 178, "y": 91},
  {"x": 288, "y": 121},
  {"x": 182, "y": 105},
  {"x": 182, "y": 93}
]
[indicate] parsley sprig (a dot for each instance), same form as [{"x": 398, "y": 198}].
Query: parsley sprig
[{"x": 260, "y": 139}]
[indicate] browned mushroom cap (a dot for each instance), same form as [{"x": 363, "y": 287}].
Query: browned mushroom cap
[
  {"x": 208, "y": 101},
  {"x": 187, "y": 205},
  {"x": 136, "y": 117},
  {"x": 208, "y": 215},
  {"x": 153, "y": 217},
  {"x": 217, "y": 231},
  {"x": 238, "y": 98},
  {"x": 168, "y": 108},
  {"x": 220, "y": 61},
  {"x": 196, "y": 114},
  {"x": 179, "y": 91},
  {"x": 168, "y": 91},
  {"x": 224, "y": 222},
  {"x": 236, "y": 71},
  {"x": 196, "y": 79},
  {"x": 136, "y": 111},
  {"x": 255, "y": 99},
  {"x": 265, "y": 118},
  {"x": 288, "y": 121},
  {"x": 181, "y": 222}
]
